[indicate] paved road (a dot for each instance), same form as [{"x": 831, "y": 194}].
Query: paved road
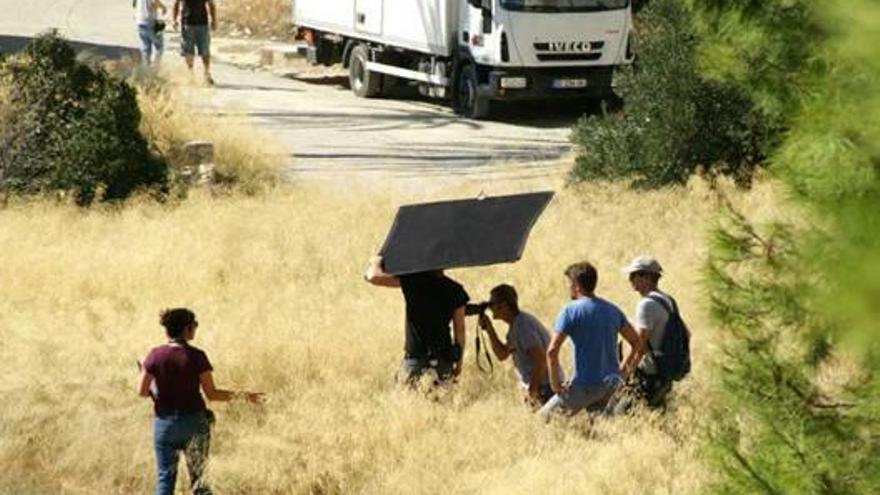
[{"x": 323, "y": 130}]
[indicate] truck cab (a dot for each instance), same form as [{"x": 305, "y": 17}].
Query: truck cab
[
  {"x": 472, "y": 51},
  {"x": 536, "y": 49}
]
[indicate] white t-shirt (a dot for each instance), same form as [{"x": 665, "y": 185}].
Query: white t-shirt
[
  {"x": 652, "y": 316},
  {"x": 145, "y": 13}
]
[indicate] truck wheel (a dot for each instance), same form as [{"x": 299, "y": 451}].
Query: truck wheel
[
  {"x": 364, "y": 83},
  {"x": 468, "y": 101}
]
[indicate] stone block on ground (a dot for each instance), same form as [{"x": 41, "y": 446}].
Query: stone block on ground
[
  {"x": 280, "y": 54},
  {"x": 197, "y": 162}
]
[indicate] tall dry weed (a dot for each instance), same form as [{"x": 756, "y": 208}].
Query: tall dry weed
[
  {"x": 244, "y": 158},
  {"x": 256, "y": 17},
  {"x": 276, "y": 283}
]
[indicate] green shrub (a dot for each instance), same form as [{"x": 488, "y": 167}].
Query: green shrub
[
  {"x": 71, "y": 127},
  {"x": 674, "y": 121}
]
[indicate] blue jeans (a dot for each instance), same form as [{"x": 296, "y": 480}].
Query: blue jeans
[
  {"x": 151, "y": 42},
  {"x": 190, "y": 433},
  {"x": 579, "y": 398}
]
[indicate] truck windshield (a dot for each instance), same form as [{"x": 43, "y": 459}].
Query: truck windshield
[{"x": 563, "y": 5}]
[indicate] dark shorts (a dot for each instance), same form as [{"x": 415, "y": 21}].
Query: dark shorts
[
  {"x": 195, "y": 39},
  {"x": 653, "y": 388}
]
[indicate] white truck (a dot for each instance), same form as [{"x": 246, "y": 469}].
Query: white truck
[{"x": 471, "y": 51}]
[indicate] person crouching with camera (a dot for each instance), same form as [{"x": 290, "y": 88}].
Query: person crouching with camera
[{"x": 527, "y": 340}]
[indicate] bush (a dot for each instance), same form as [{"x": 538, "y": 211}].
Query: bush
[
  {"x": 71, "y": 127},
  {"x": 674, "y": 121}
]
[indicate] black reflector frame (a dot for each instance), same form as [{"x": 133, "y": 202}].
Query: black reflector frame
[{"x": 461, "y": 233}]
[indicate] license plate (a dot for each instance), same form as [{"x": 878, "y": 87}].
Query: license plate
[{"x": 569, "y": 83}]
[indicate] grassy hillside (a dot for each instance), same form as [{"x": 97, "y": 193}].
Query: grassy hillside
[{"x": 276, "y": 283}]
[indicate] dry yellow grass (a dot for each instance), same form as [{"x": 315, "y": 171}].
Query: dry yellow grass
[
  {"x": 276, "y": 283},
  {"x": 256, "y": 17},
  {"x": 245, "y": 158}
]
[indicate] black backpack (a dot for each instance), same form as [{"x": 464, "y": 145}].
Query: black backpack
[{"x": 674, "y": 357}]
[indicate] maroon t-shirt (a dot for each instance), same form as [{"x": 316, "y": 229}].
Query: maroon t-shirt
[{"x": 176, "y": 370}]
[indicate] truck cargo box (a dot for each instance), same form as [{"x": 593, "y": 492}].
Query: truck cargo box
[{"x": 426, "y": 26}]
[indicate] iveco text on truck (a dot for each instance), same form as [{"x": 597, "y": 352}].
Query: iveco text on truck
[{"x": 471, "y": 51}]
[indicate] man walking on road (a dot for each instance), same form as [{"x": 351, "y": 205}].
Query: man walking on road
[
  {"x": 150, "y": 30},
  {"x": 593, "y": 325},
  {"x": 195, "y": 34}
]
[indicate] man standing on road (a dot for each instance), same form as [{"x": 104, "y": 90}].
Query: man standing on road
[
  {"x": 526, "y": 341},
  {"x": 652, "y": 314},
  {"x": 195, "y": 35},
  {"x": 593, "y": 325}
]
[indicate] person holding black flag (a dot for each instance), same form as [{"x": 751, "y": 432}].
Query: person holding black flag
[{"x": 433, "y": 301}]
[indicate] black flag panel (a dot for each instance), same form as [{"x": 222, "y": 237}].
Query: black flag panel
[{"x": 451, "y": 234}]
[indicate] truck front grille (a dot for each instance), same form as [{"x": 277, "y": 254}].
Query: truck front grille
[
  {"x": 569, "y": 51},
  {"x": 566, "y": 57}
]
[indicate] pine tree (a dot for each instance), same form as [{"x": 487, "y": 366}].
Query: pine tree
[{"x": 797, "y": 300}]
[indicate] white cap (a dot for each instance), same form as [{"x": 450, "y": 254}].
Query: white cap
[{"x": 644, "y": 264}]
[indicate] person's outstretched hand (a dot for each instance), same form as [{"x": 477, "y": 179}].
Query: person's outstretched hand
[{"x": 254, "y": 397}]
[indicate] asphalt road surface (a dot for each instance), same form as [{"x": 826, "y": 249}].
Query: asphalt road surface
[{"x": 322, "y": 130}]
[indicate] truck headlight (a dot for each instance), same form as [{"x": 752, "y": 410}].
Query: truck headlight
[{"x": 513, "y": 82}]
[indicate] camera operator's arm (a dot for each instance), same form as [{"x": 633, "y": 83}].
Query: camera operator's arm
[
  {"x": 458, "y": 333},
  {"x": 501, "y": 350},
  {"x": 539, "y": 367},
  {"x": 376, "y": 274}
]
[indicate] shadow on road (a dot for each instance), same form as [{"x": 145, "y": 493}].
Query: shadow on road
[
  {"x": 357, "y": 120},
  {"x": 340, "y": 82},
  {"x": 254, "y": 87},
  {"x": 546, "y": 114},
  {"x": 11, "y": 44}
]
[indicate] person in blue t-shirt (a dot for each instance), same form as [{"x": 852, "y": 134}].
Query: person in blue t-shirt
[{"x": 593, "y": 325}]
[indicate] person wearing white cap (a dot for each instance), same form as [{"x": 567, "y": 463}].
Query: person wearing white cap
[{"x": 652, "y": 314}]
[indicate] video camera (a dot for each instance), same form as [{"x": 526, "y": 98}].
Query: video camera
[{"x": 475, "y": 309}]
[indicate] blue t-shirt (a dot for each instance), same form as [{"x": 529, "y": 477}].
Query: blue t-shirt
[{"x": 592, "y": 324}]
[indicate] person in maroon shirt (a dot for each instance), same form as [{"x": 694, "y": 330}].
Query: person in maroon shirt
[{"x": 172, "y": 376}]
